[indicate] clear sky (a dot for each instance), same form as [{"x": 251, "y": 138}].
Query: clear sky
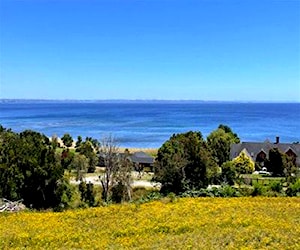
[{"x": 150, "y": 49}]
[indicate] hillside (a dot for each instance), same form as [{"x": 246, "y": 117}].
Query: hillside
[{"x": 199, "y": 223}]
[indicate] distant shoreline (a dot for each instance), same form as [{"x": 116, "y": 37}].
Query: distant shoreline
[{"x": 158, "y": 101}]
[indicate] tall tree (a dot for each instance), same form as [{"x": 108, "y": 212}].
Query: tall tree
[
  {"x": 276, "y": 163},
  {"x": 122, "y": 175},
  {"x": 183, "y": 162},
  {"x": 117, "y": 176},
  {"x": 30, "y": 169},
  {"x": 219, "y": 142},
  {"x": 109, "y": 152}
]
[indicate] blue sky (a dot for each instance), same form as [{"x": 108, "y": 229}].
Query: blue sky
[{"x": 150, "y": 49}]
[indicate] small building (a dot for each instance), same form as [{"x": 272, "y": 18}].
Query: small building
[
  {"x": 142, "y": 161},
  {"x": 259, "y": 151}
]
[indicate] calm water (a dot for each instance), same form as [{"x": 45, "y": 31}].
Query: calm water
[{"x": 150, "y": 124}]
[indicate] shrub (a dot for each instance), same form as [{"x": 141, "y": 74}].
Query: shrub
[
  {"x": 228, "y": 191},
  {"x": 294, "y": 189},
  {"x": 258, "y": 190},
  {"x": 276, "y": 186},
  {"x": 152, "y": 196}
]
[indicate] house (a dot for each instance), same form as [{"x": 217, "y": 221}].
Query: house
[
  {"x": 259, "y": 151},
  {"x": 142, "y": 161}
]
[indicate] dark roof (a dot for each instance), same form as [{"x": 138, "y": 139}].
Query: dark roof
[
  {"x": 142, "y": 157},
  {"x": 253, "y": 148}
]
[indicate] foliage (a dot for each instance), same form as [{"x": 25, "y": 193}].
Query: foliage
[
  {"x": 87, "y": 149},
  {"x": 243, "y": 164},
  {"x": 184, "y": 162},
  {"x": 67, "y": 140},
  {"x": 291, "y": 171},
  {"x": 80, "y": 164},
  {"x": 228, "y": 174},
  {"x": 87, "y": 193},
  {"x": 221, "y": 191},
  {"x": 219, "y": 142},
  {"x": 67, "y": 157},
  {"x": 276, "y": 186},
  {"x": 78, "y": 142},
  {"x": 294, "y": 189},
  {"x": 65, "y": 193},
  {"x": 276, "y": 162},
  {"x": 30, "y": 169},
  {"x": 259, "y": 189},
  {"x": 188, "y": 223},
  {"x": 150, "y": 196}
]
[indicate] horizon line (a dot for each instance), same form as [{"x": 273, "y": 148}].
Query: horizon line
[{"x": 142, "y": 100}]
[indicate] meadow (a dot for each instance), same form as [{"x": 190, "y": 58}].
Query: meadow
[{"x": 171, "y": 223}]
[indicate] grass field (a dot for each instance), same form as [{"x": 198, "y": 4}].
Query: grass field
[{"x": 199, "y": 223}]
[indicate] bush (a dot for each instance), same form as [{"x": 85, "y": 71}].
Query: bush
[
  {"x": 223, "y": 191},
  {"x": 276, "y": 186},
  {"x": 294, "y": 189},
  {"x": 258, "y": 190},
  {"x": 152, "y": 196},
  {"x": 118, "y": 191},
  {"x": 229, "y": 191}
]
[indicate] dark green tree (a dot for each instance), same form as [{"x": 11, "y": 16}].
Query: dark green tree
[
  {"x": 30, "y": 169},
  {"x": 276, "y": 163},
  {"x": 67, "y": 140},
  {"x": 183, "y": 163},
  {"x": 78, "y": 142},
  {"x": 87, "y": 193}
]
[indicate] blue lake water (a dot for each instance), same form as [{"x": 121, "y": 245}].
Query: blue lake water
[{"x": 149, "y": 124}]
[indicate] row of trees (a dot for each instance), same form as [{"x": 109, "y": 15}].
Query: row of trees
[
  {"x": 35, "y": 169},
  {"x": 30, "y": 169},
  {"x": 189, "y": 162}
]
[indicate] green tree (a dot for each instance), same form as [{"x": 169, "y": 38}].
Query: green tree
[
  {"x": 219, "y": 142},
  {"x": 78, "y": 142},
  {"x": 30, "y": 169},
  {"x": 243, "y": 164},
  {"x": 87, "y": 193},
  {"x": 67, "y": 140},
  {"x": 80, "y": 164},
  {"x": 276, "y": 163},
  {"x": 229, "y": 173},
  {"x": 87, "y": 149},
  {"x": 66, "y": 159},
  {"x": 183, "y": 163}
]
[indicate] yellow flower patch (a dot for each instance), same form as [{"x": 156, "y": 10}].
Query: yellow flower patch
[{"x": 188, "y": 223}]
